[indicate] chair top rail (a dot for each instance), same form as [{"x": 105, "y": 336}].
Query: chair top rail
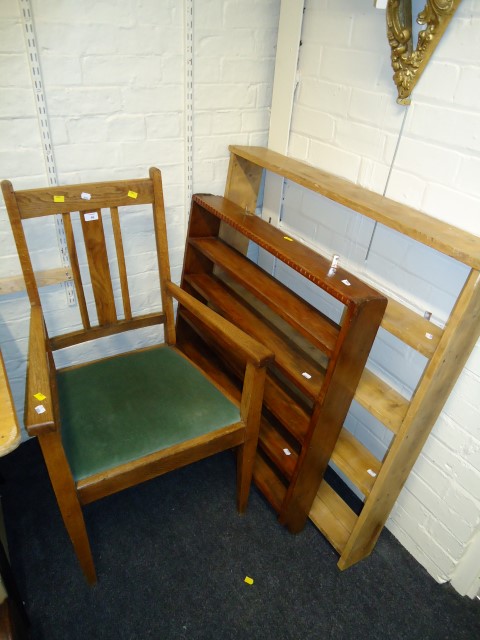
[{"x": 33, "y": 203}]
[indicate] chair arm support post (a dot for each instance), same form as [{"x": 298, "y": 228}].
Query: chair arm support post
[
  {"x": 250, "y": 412},
  {"x": 235, "y": 338},
  {"x": 39, "y": 414}
]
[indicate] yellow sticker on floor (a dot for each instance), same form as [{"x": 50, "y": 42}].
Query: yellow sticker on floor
[{"x": 248, "y": 580}]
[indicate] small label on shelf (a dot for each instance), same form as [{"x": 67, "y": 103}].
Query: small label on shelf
[{"x": 287, "y": 452}]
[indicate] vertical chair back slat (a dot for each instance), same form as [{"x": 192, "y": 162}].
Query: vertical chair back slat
[
  {"x": 94, "y": 236},
  {"x": 72, "y": 254},
  {"x": 162, "y": 253},
  {"x": 122, "y": 268}
]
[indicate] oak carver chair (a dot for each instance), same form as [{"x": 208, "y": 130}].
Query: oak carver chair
[{"x": 115, "y": 422}]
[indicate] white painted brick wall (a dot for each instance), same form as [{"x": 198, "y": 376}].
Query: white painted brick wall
[
  {"x": 234, "y": 45},
  {"x": 114, "y": 81},
  {"x": 346, "y": 121}
]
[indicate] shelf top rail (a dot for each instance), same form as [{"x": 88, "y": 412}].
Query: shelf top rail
[{"x": 450, "y": 240}]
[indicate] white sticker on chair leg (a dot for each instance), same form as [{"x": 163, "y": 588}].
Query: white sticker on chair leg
[{"x": 40, "y": 409}]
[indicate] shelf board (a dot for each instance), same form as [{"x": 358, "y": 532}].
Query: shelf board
[
  {"x": 381, "y": 400},
  {"x": 274, "y": 446},
  {"x": 296, "y": 255},
  {"x": 356, "y": 461},
  {"x": 290, "y": 413},
  {"x": 288, "y": 358},
  {"x": 332, "y": 516},
  {"x": 307, "y": 320},
  {"x": 411, "y": 328},
  {"x": 268, "y": 482},
  {"x": 432, "y": 232}
]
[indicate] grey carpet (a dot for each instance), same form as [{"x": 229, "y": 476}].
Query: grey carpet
[{"x": 172, "y": 555}]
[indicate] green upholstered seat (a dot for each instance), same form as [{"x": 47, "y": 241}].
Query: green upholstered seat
[{"x": 118, "y": 410}]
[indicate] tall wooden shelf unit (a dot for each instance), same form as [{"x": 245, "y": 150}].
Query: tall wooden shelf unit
[
  {"x": 447, "y": 350},
  {"x": 318, "y": 363}
]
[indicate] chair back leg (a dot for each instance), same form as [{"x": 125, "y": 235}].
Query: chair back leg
[{"x": 67, "y": 498}]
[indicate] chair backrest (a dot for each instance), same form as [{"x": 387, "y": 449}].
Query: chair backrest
[{"x": 88, "y": 237}]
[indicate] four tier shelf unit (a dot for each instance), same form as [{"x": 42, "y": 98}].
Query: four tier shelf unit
[{"x": 318, "y": 363}]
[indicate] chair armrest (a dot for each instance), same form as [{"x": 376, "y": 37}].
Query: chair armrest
[
  {"x": 251, "y": 349},
  {"x": 38, "y": 420}
]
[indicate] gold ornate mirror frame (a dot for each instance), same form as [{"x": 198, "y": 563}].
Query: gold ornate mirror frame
[{"x": 408, "y": 62}]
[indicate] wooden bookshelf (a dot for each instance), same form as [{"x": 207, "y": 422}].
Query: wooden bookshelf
[
  {"x": 318, "y": 363},
  {"x": 409, "y": 419}
]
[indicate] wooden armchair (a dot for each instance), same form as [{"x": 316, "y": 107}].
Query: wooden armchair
[{"x": 112, "y": 423}]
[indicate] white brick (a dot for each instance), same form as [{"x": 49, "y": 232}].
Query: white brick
[
  {"x": 226, "y": 122},
  {"x": 79, "y": 101},
  {"x": 309, "y": 58},
  {"x": 453, "y": 207},
  {"x": 67, "y": 12},
  {"x": 257, "y": 120},
  {"x": 78, "y": 156},
  {"x": 327, "y": 27},
  {"x": 141, "y": 71},
  {"x": 239, "y": 70},
  {"x": 415, "y": 156},
  {"x": 207, "y": 70},
  {"x": 156, "y": 152},
  {"x": 456, "y": 129},
  {"x": 298, "y": 145},
  {"x": 468, "y": 88},
  {"x": 370, "y": 107},
  {"x": 350, "y": 67},
  {"x": 165, "y": 98},
  {"x": 365, "y": 29},
  {"x": 339, "y": 162},
  {"x": 11, "y": 37},
  {"x": 226, "y": 96},
  {"x": 327, "y": 96},
  {"x": 244, "y": 13},
  {"x": 9, "y": 9},
  {"x": 460, "y": 41},
  {"x": 164, "y": 125},
  {"x": 406, "y": 187},
  {"x": 22, "y": 132},
  {"x": 22, "y": 161},
  {"x": 318, "y": 125},
  {"x": 65, "y": 70},
  {"x": 85, "y": 39},
  {"x": 218, "y": 43},
  {"x": 468, "y": 176},
  {"x": 17, "y": 102},
  {"x": 151, "y": 39},
  {"x": 438, "y": 81},
  {"x": 360, "y": 139}
]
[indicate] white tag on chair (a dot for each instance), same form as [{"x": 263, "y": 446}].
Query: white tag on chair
[{"x": 90, "y": 216}]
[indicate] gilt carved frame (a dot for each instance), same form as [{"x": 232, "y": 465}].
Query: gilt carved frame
[{"x": 408, "y": 62}]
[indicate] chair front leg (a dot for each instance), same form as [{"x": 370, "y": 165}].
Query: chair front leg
[
  {"x": 251, "y": 412},
  {"x": 67, "y": 498}
]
